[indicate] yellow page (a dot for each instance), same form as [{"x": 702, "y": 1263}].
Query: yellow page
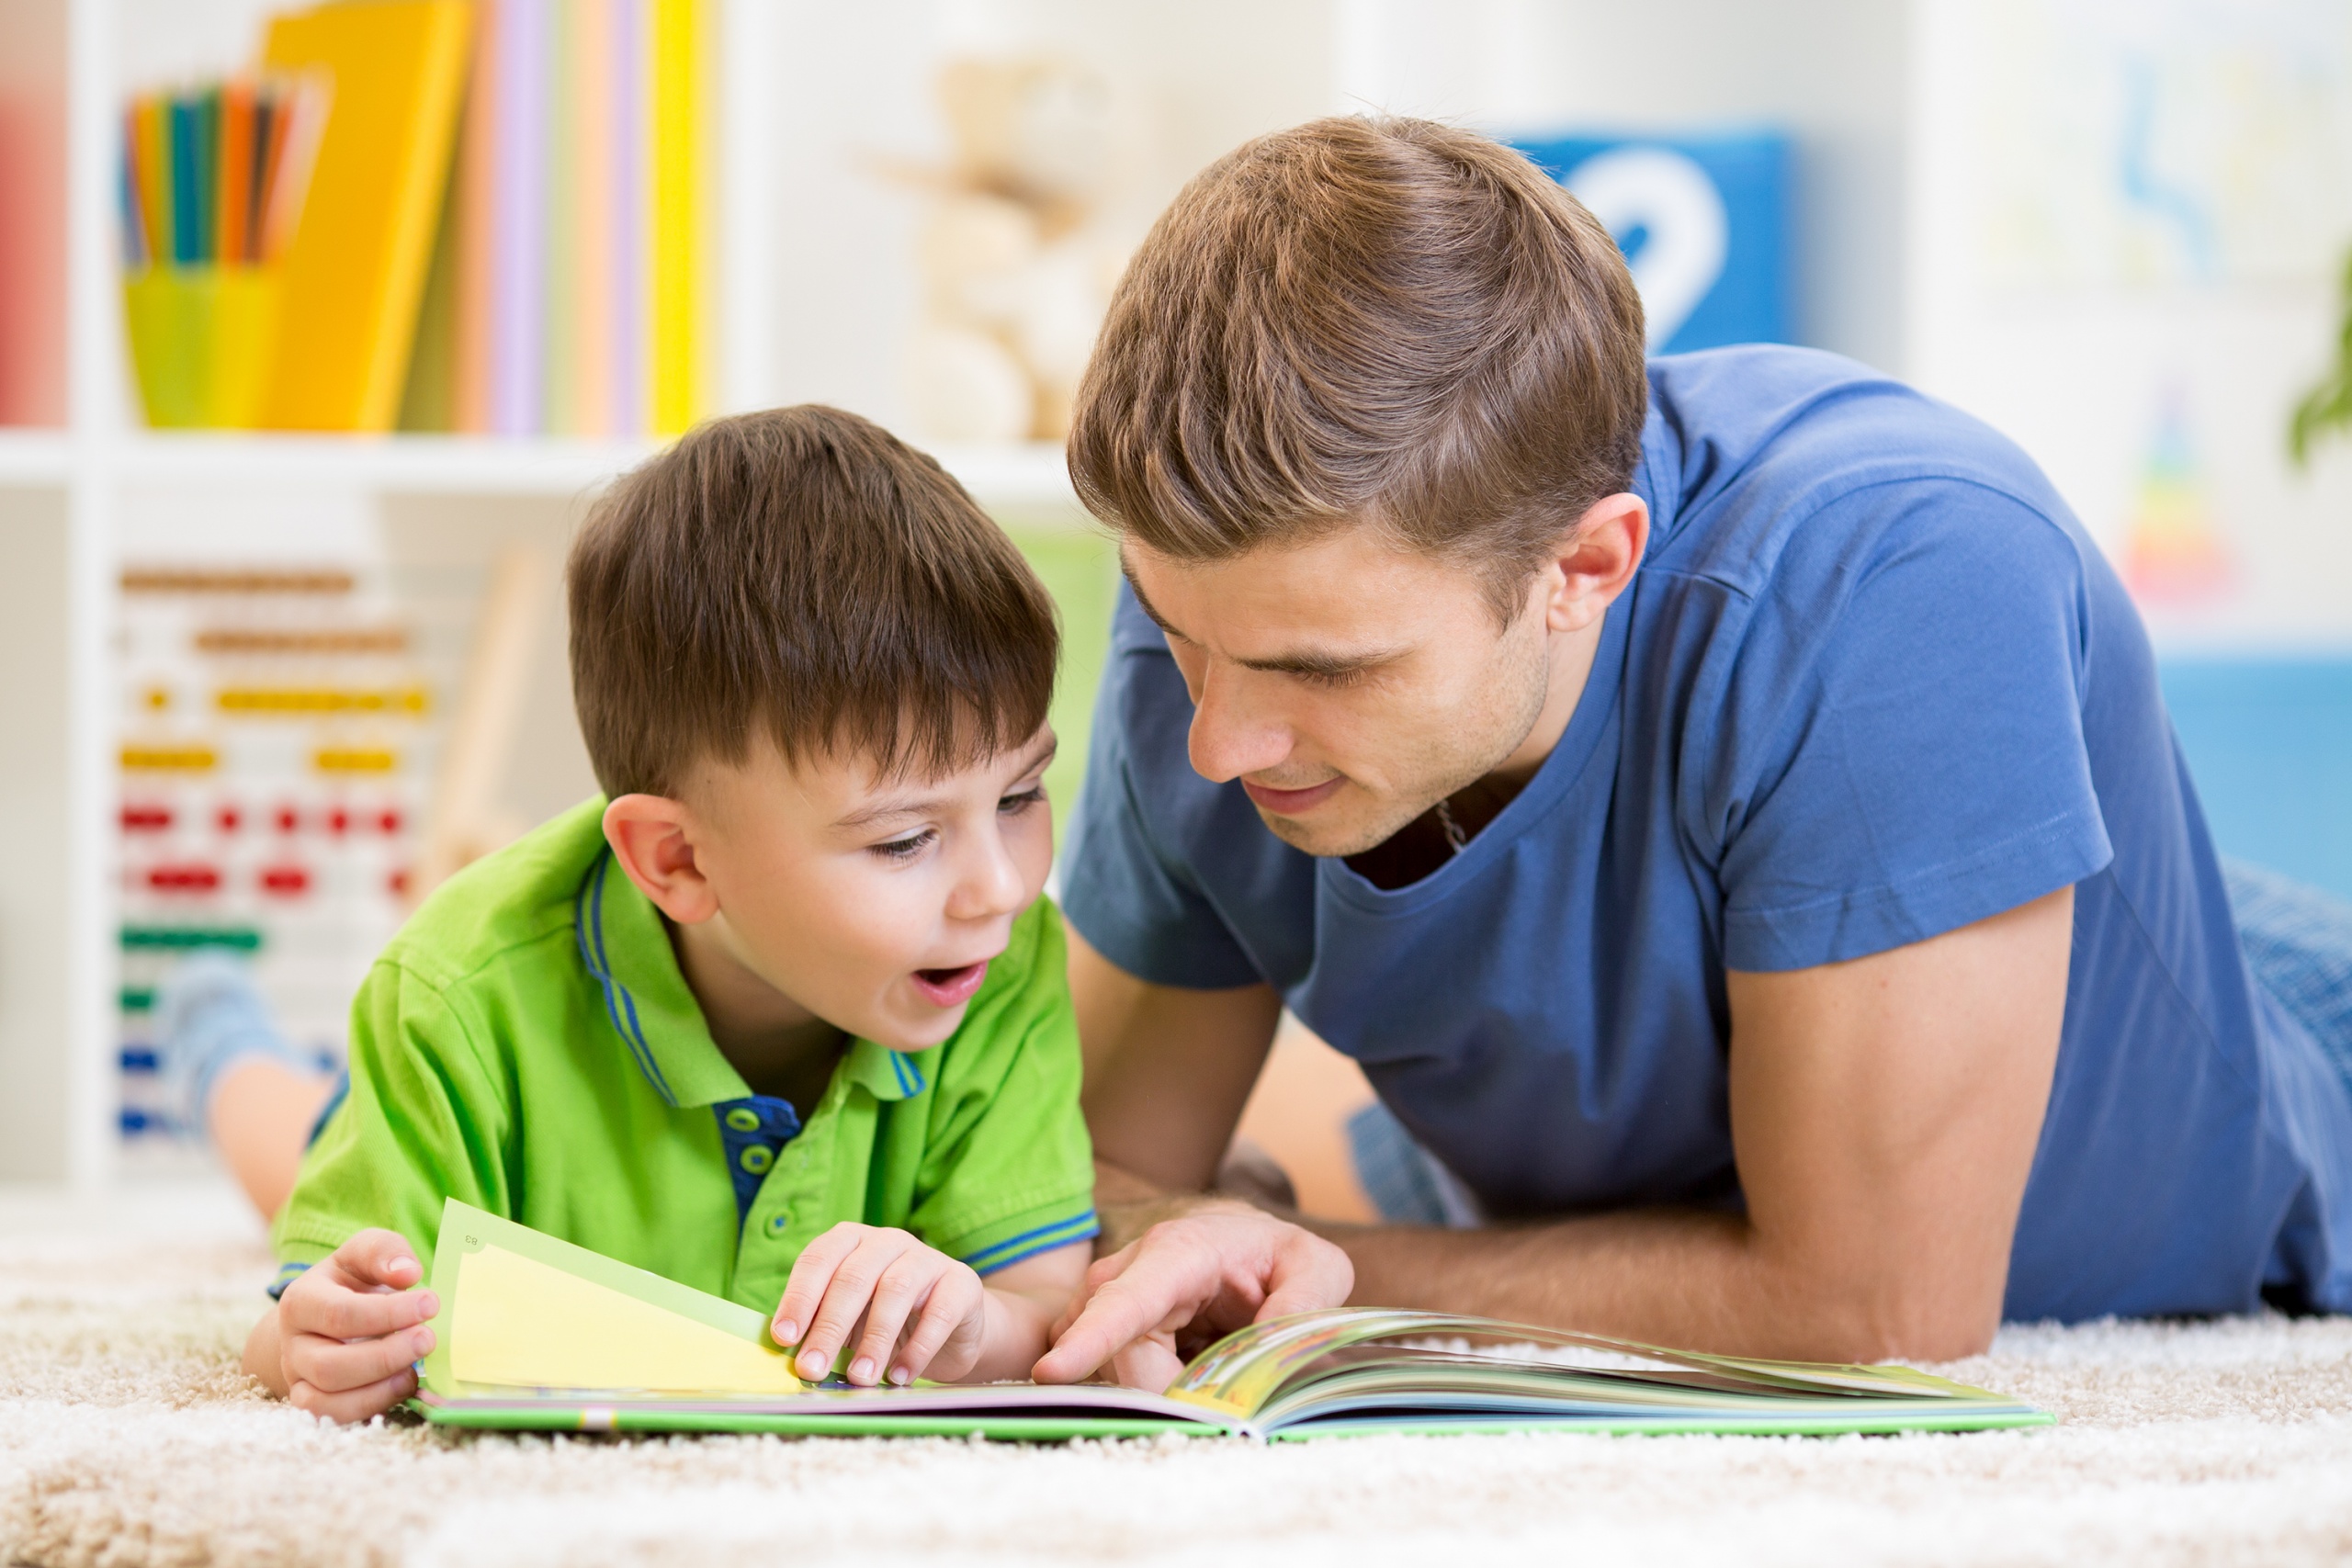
[{"x": 522, "y": 1322}]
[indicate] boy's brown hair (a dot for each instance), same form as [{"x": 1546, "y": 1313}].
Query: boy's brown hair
[
  {"x": 1382, "y": 321},
  {"x": 800, "y": 573}
]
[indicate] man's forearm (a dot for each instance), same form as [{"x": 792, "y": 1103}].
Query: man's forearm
[{"x": 1678, "y": 1277}]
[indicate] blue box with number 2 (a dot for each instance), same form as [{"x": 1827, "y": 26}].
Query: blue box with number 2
[{"x": 1704, "y": 221}]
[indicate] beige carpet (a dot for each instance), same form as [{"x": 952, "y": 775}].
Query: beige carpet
[{"x": 127, "y": 1435}]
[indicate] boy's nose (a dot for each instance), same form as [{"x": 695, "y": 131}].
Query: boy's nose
[{"x": 991, "y": 884}]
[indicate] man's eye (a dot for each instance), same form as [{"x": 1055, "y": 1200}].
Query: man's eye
[
  {"x": 1014, "y": 804},
  {"x": 906, "y": 848},
  {"x": 1334, "y": 680}
]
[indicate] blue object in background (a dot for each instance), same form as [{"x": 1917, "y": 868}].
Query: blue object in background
[
  {"x": 1703, "y": 221},
  {"x": 2269, "y": 743}
]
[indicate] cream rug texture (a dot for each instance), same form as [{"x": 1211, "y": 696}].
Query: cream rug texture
[{"x": 129, "y": 1436}]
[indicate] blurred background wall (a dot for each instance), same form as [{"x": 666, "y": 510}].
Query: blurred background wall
[{"x": 2117, "y": 229}]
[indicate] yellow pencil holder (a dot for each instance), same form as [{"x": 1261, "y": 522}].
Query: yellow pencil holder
[{"x": 201, "y": 341}]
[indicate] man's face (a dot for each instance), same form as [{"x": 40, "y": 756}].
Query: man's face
[
  {"x": 874, "y": 903},
  {"x": 1349, "y": 682}
]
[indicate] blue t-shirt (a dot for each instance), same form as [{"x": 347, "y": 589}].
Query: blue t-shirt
[{"x": 1871, "y": 681}]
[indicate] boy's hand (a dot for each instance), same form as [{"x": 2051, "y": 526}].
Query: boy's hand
[
  {"x": 894, "y": 1285},
  {"x": 350, "y": 1330}
]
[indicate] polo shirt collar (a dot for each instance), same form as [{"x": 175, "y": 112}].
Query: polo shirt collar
[{"x": 625, "y": 949}]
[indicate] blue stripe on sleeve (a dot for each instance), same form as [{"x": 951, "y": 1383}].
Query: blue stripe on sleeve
[{"x": 1029, "y": 1243}]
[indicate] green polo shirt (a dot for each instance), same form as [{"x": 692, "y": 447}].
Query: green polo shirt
[{"x": 527, "y": 1043}]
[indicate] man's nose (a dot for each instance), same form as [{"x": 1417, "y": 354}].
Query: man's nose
[{"x": 1231, "y": 736}]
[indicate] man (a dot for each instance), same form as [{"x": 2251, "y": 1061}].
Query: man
[{"x": 1727, "y": 810}]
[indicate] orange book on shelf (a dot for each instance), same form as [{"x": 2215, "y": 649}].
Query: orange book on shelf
[{"x": 354, "y": 268}]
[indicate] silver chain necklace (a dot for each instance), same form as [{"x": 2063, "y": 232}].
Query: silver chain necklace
[{"x": 1454, "y": 833}]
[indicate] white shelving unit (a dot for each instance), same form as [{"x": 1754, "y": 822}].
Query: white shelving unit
[{"x": 62, "y": 494}]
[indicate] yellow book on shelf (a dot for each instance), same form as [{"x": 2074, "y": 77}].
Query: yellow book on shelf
[
  {"x": 678, "y": 236},
  {"x": 354, "y": 275}
]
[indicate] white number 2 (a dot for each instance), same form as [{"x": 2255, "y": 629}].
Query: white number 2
[{"x": 1671, "y": 198}]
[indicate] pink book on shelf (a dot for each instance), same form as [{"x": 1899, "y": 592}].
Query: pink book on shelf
[
  {"x": 593, "y": 134},
  {"x": 629, "y": 317},
  {"x": 476, "y": 209},
  {"x": 518, "y": 322}
]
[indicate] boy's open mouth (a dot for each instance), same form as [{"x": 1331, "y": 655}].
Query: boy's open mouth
[{"x": 950, "y": 987}]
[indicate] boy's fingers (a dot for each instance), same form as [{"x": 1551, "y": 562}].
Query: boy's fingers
[
  {"x": 813, "y": 1271},
  {"x": 332, "y": 1366},
  {"x": 354, "y": 1404},
  {"x": 912, "y": 1278},
  {"x": 375, "y": 1257},
  {"x": 342, "y": 1313},
  {"x": 845, "y": 1298},
  {"x": 950, "y": 1302}
]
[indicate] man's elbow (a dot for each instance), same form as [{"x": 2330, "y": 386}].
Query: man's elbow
[{"x": 1907, "y": 1315}]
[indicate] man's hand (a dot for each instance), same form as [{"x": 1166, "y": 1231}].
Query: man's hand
[
  {"x": 1188, "y": 1281},
  {"x": 896, "y": 1287},
  {"x": 343, "y": 1340}
]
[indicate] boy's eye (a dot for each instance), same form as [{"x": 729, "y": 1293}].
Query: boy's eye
[
  {"x": 906, "y": 848},
  {"x": 1014, "y": 804}
]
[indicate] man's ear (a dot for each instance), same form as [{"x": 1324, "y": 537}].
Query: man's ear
[
  {"x": 653, "y": 838},
  {"x": 1596, "y": 561}
]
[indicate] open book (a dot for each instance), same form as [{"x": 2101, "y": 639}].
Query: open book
[{"x": 538, "y": 1333}]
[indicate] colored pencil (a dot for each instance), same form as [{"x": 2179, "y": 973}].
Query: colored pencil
[
  {"x": 268, "y": 121},
  {"x": 187, "y": 233},
  {"x": 303, "y": 112},
  {"x": 235, "y": 175},
  {"x": 135, "y": 252}
]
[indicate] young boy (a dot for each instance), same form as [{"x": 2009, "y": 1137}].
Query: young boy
[{"x": 783, "y": 1017}]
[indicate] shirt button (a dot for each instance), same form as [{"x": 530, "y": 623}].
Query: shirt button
[
  {"x": 743, "y": 1119},
  {"x": 778, "y": 1223},
  {"x": 757, "y": 1158}
]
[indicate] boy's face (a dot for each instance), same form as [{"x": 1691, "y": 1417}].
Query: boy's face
[{"x": 873, "y": 903}]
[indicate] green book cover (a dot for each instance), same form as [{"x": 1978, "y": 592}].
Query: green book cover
[{"x": 537, "y": 1332}]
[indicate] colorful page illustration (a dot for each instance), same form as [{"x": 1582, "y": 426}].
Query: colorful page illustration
[{"x": 521, "y": 1310}]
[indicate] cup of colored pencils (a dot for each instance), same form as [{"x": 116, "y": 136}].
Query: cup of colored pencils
[{"x": 213, "y": 179}]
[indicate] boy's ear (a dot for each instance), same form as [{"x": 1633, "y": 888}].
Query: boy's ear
[{"x": 653, "y": 838}]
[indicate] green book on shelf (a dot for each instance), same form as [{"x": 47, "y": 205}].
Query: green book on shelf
[{"x": 537, "y": 1332}]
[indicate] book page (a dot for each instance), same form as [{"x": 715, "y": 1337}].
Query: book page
[
  {"x": 524, "y": 1310},
  {"x": 526, "y": 1324}
]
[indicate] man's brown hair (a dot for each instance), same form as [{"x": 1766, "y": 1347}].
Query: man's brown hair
[
  {"x": 800, "y": 573},
  {"x": 1366, "y": 319}
]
